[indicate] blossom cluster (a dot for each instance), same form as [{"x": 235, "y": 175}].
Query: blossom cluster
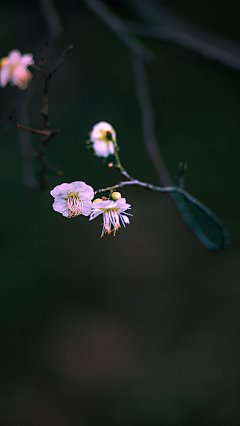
[{"x": 75, "y": 199}]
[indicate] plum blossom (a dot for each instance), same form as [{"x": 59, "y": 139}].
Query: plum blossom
[
  {"x": 73, "y": 199},
  {"x": 112, "y": 214},
  {"x": 102, "y": 137},
  {"x": 13, "y": 69}
]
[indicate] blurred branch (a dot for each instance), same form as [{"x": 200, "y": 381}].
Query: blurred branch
[
  {"x": 143, "y": 95},
  {"x": 168, "y": 27},
  {"x": 52, "y": 18},
  {"x": 178, "y": 194},
  {"x": 48, "y": 76},
  {"x": 27, "y": 152},
  {"x": 45, "y": 113},
  {"x": 19, "y": 108},
  {"x": 48, "y": 134},
  {"x": 114, "y": 22},
  {"x": 39, "y": 132}
]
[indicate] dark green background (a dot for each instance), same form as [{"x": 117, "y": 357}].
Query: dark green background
[{"x": 141, "y": 329}]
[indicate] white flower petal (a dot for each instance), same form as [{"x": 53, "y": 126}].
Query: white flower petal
[
  {"x": 14, "y": 56},
  {"x": 101, "y": 149},
  {"x": 27, "y": 59},
  {"x": 106, "y": 204},
  {"x": 78, "y": 186},
  {"x": 95, "y": 213},
  {"x": 84, "y": 190},
  {"x": 96, "y": 130},
  {"x": 86, "y": 211},
  {"x": 111, "y": 148},
  {"x": 4, "y": 75},
  {"x": 125, "y": 219},
  {"x": 59, "y": 206},
  {"x": 60, "y": 190},
  {"x": 65, "y": 213},
  {"x": 89, "y": 193}
]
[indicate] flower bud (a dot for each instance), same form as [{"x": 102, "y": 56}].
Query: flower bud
[
  {"x": 110, "y": 165},
  {"x": 116, "y": 195},
  {"x": 97, "y": 200}
]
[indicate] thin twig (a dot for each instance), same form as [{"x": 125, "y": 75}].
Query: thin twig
[
  {"x": 45, "y": 113},
  {"x": 48, "y": 76},
  {"x": 39, "y": 132},
  {"x": 41, "y": 62},
  {"x": 114, "y": 22},
  {"x": 27, "y": 152},
  {"x": 19, "y": 108},
  {"x": 55, "y": 170},
  {"x": 59, "y": 63},
  {"x": 224, "y": 241},
  {"x": 47, "y": 133}
]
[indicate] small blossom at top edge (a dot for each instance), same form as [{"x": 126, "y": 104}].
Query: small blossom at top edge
[
  {"x": 13, "y": 69},
  {"x": 102, "y": 137}
]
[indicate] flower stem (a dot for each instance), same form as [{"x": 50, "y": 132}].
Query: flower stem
[{"x": 203, "y": 238}]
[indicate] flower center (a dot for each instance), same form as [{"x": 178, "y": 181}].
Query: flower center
[
  {"x": 112, "y": 209},
  {"x": 106, "y": 136},
  {"x": 74, "y": 204}
]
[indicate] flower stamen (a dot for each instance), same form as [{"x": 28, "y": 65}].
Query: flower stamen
[{"x": 74, "y": 205}]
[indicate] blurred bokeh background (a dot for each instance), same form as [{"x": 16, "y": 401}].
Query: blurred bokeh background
[{"x": 141, "y": 329}]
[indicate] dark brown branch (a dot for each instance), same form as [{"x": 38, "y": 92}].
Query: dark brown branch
[
  {"x": 39, "y": 132},
  {"x": 114, "y": 22},
  {"x": 59, "y": 63},
  {"x": 27, "y": 152},
  {"x": 19, "y": 108},
  {"x": 48, "y": 76},
  {"x": 41, "y": 63},
  {"x": 45, "y": 113}
]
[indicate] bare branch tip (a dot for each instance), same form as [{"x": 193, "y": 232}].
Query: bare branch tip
[
  {"x": 45, "y": 45},
  {"x": 13, "y": 119}
]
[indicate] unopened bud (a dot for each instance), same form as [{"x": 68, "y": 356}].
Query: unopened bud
[
  {"x": 110, "y": 165},
  {"x": 116, "y": 195},
  {"x": 97, "y": 200}
]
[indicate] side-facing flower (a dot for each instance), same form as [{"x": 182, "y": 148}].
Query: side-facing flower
[
  {"x": 73, "y": 199},
  {"x": 102, "y": 137},
  {"x": 13, "y": 69},
  {"x": 112, "y": 214}
]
